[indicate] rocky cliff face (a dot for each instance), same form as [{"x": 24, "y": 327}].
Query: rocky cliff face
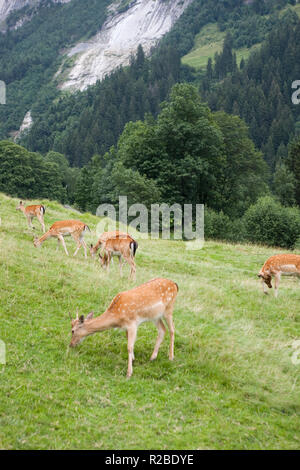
[{"x": 145, "y": 22}]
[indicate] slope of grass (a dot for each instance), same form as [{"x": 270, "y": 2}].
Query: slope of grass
[
  {"x": 207, "y": 43},
  {"x": 210, "y": 40},
  {"x": 231, "y": 385}
]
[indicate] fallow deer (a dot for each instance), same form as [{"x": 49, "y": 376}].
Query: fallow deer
[
  {"x": 119, "y": 244},
  {"x": 152, "y": 301},
  {"x": 286, "y": 264},
  {"x": 105, "y": 236},
  {"x": 63, "y": 228},
  {"x": 33, "y": 211}
]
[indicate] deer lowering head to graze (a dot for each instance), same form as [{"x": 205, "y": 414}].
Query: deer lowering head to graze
[
  {"x": 116, "y": 244},
  {"x": 105, "y": 236},
  {"x": 277, "y": 265},
  {"x": 124, "y": 248},
  {"x": 152, "y": 301},
  {"x": 33, "y": 211},
  {"x": 63, "y": 228}
]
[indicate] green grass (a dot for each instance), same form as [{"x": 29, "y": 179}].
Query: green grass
[
  {"x": 232, "y": 384},
  {"x": 210, "y": 40},
  {"x": 207, "y": 43}
]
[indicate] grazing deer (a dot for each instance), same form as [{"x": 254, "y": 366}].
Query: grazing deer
[
  {"x": 116, "y": 244},
  {"x": 33, "y": 211},
  {"x": 63, "y": 228},
  {"x": 152, "y": 301},
  {"x": 105, "y": 236},
  {"x": 276, "y": 266}
]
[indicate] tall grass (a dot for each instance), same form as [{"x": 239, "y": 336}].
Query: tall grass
[{"x": 231, "y": 385}]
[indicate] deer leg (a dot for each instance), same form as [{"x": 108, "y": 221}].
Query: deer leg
[
  {"x": 78, "y": 242},
  {"x": 161, "y": 333},
  {"x": 120, "y": 265},
  {"x": 29, "y": 221},
  {"x": 78, "y": 246},
  {"x": 61, "y": 238},
  {"x": 108, "y": 260},
  {"x": 84, "y": 247},
  {"x": 133, "y": 358},
  {"x": 41, "y": 220},
  {"x": 131, "y": 335},
  {"x": 264, "y": 286},
  {"x": 132, "y": 265},
  {"x": 277, "y": 281},
  {"x": 169, "y": 320}
]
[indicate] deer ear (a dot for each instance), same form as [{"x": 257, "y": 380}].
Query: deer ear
[
  {"x": 81, "y": 319},
  {"x": 90, "y": 316}
]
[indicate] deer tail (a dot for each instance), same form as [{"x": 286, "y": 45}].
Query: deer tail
[{"x": 133, "y": 247}]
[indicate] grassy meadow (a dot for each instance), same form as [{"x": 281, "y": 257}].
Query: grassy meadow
[
  {"x": 232, "y": 384},
  {"x": 207, "y": 43}
]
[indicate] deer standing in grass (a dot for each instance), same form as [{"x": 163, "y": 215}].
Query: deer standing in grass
[
  {"x": 116, "y": 244},
  {"x": 102, "y": 239},
  {"x": 152, "y": 301},
  {"x": 277, "y": 265},
  {"x": 33, "y": 211},
  {"x": 64, "y": 228}
]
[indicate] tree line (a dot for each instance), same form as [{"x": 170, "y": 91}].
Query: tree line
[{"x": 187, "y": 154}]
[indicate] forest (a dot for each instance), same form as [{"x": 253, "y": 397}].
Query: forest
[{"x": 188, "y": 154}]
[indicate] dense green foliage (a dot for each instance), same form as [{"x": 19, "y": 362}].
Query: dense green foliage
[
  {"x": 29, "y": 175},
  {"x": 269, "y": 223},
  {"x": 293, "y": 163},
  {"x": 261, "y": 91},
  {"x": 247, "y": 23},
  {"x": 187, "y": 155},
  {"x": 192, "y": 156},
  {"x": 87, "y": 123}
]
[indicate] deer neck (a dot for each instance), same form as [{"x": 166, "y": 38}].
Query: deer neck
[
  {"x": 106, "y": 321},
  {"x": 97, "y": 246},
  {"x": 45, "y": 236}
]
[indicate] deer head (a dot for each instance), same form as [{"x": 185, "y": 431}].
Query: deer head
[
  {"x": 92, "y": 250},
  {"x": 20, "y": 206},
  {"x": 103, "y": 260},
  {"x": 79, "y": 331},
  {"x": 36, "y": 242},
  {"x": 267, "y": 278}
]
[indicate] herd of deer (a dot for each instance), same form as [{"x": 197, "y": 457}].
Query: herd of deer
[{"x": 151, "y": 301}]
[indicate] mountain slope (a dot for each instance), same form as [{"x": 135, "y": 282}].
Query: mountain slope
[
  {"x": 9, "y": 6},
  {"x": 143, "y": 23}
]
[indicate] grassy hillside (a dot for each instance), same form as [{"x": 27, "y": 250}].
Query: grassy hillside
[
  {"x": 207, "y": 43},
  {"x": 232, "y": 383}
]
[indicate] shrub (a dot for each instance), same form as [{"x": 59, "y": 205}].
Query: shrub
[
  {"x": 270, "y": 223},
  {"x": 220, "y": 226}
]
